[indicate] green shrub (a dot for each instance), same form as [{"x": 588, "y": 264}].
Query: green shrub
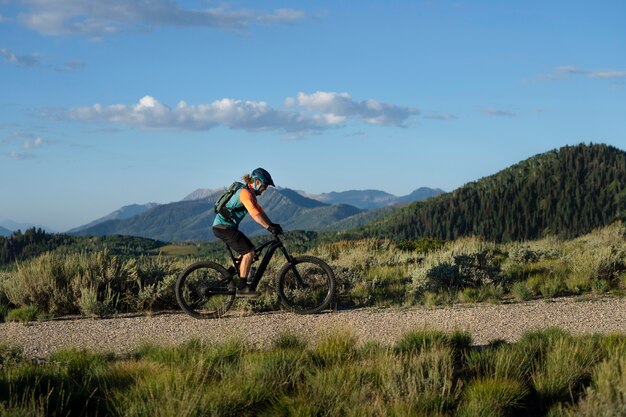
[
  {"x": 551, "y": 287},
  {"x": 336, "y": 347},
  {"x": 419, "y": 384},
  {"x": 423, "y": 245},
  {"x": 492, "y": 397},
  {"x": 521, "y": 291},
  {"x": 607, "y": 394},
  {"x": 90, "y": 303},
  {"x": 568, "y": 363},
  {"x": 464, "y": 263},
  {"x": 54, "y": 282},
  {"x": 421, "y": 340},
  {"x": 491, "y": 292},
  {"x": 340, "y": 390},
  {"x": 382, "y": 286},
  {"x": 24, "y": 314},
  {"x": 156, "y": 278},
  {"x": 621, "y": 280},
  {"x": 469, "y": 295},
  {"x": 578, "y": 283},
  {"x": 9, "y": 355},
  {"x": 289, "y": 341},
  {"x": 4, "y": 311},
  {"x": 600, "y": 286},
  {"x": 436, "y": 299}
]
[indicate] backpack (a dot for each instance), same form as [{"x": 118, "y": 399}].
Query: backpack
[{"x": 220, "y": 204}]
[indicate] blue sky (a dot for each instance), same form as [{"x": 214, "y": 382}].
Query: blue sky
[{"x": 108, "y": 103}]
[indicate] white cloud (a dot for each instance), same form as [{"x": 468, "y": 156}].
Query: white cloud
[
  {"x": 70, "y": 66},
  {"x": 322, "y": 110},
  {"x": 20, "y": 60},
  {"x": 607, "y": 75},
  {"x": 97, "y": 18},
  {"x": 18, "y": 155},
  {"x": 281, "y": 16},
  {"x": 497, "y": 112},
  {"x": 34, "y": 60},
  {"x": 440, "y": 116},
  {"x": 602, "y": 74},
  {"x": 338, "y": 107},
  {"x": 33, "y": 144}
]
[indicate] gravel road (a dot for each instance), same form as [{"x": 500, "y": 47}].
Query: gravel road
[{"x": 485, "y": 322}]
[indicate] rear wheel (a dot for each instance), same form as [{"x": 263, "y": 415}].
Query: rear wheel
[
  {"x": 306, "y": 285},
  {"x": 205, "y": 290}
]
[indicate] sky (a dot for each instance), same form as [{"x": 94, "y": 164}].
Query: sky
[{"x": 109, "y": 103}]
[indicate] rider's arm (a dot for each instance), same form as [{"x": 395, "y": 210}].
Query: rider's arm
[{"x": 252, "y": 206}]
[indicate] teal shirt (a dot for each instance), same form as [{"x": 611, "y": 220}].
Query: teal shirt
[{"x": 237, "y": 216}]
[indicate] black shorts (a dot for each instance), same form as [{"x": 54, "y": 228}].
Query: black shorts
[{"x": 234, "y": 238}]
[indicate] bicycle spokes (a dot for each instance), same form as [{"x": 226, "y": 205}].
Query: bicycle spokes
[
  {"x": 204, "y": 291},
  {"x": 306, "y": 285}
]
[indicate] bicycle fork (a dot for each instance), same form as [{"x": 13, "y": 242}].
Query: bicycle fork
[{"x": 292, "y": 266}]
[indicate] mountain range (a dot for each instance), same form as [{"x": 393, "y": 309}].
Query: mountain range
[
  {"x": 565, "y": 192},
  {"x": 7, "y": 227},
  {"x": 374, "y": 199},
  {"x": 191, "y": 218}
]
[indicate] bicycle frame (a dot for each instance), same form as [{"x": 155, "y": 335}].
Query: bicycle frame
[{"x": 272, "y": 246}]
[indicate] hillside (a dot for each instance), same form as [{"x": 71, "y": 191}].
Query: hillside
[
  {"x": 5, "y": 232},
  {"x": 565, "y": 192}
]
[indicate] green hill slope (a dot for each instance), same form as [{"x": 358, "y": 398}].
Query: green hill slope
[
  {"x": 192, "y": 219},
  {"x": 565, "y": 192}
]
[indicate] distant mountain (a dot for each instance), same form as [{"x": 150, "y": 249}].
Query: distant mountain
[
  {"x": 201, "y": 193},
  {"x": 566, "y": 192},
  {"x": 192, "y": 219},
  {"x": 420, "y": 194},
  {"x": 374, "y": 199},
  {"x": 13, "y": 226},
  {"x": 5, "y": 232},
  {"x": 364, "y": 199},
  {"x": 120, "y": 214}
]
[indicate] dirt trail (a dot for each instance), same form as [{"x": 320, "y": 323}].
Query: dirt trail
[{"x": 485, "y": 322}]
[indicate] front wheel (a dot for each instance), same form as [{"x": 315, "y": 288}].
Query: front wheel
[
  {"x": 205, "y": 290},
  {"x": 306, "y": 285}
]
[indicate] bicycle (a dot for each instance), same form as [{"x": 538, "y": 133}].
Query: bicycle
[{"x": 305, "y": 284}]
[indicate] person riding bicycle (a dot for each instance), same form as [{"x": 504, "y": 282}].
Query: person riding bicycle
[{"x": 226, "y": 225}]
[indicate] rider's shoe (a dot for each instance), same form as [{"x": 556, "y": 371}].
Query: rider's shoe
[{"x": 246, "y": 292}]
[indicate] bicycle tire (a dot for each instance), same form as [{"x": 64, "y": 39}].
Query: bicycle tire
[
  {"x": 205, "y": 290},
  {"x": 317, "y": 275}
]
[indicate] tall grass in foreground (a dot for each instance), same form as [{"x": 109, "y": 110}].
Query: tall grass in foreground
[{"x": 425, "y": 373}]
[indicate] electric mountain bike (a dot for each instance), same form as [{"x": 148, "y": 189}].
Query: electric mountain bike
[{"x": 305, "y": 284}]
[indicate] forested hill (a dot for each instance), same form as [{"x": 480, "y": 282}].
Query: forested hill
[{"x": 565, "y": 192}]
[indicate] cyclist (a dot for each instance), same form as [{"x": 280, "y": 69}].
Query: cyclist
[{"x": 227, "y": 229}]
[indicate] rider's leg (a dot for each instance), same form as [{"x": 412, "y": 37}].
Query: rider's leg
[
  {"x": 241, "y": 244},
  {"x": 246, "y": 263}
]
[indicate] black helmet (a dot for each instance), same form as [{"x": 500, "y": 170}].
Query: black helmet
[{"x": 264, "y": 176}]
